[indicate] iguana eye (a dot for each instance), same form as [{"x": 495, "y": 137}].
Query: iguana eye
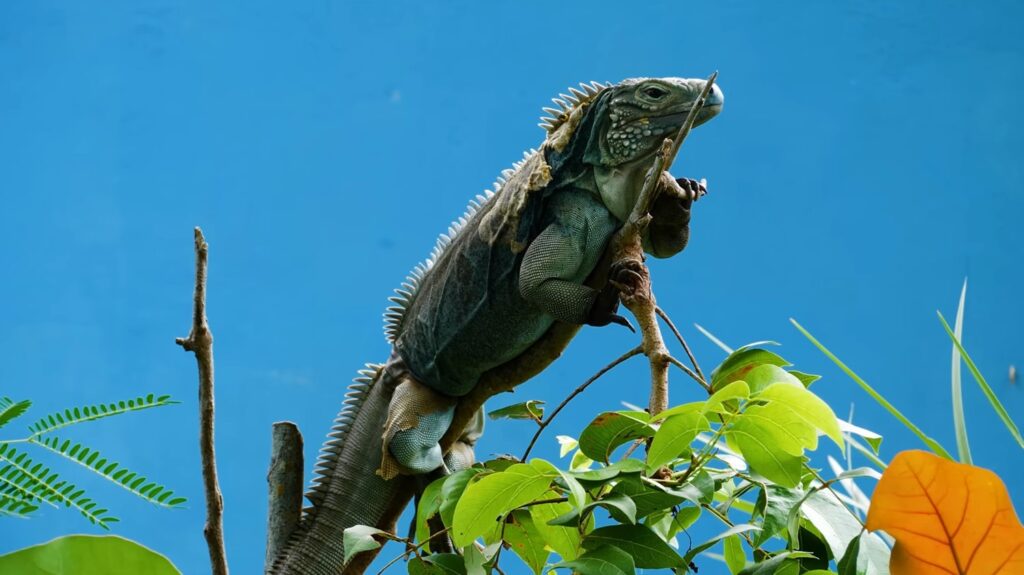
[{"x": 654, "y": 92}]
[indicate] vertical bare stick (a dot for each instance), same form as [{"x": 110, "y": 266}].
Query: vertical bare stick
[
  {"x": 284, "y": 483},
  {"x": 200, "y": 343}
]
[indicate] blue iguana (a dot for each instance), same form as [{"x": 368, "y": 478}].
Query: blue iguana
[{"x": 507, "y": 273}]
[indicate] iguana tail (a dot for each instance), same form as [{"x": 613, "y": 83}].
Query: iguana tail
[{"x": 346, "y": 489}]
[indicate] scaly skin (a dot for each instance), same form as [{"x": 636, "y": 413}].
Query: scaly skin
[{"x": 503, "y": 293}]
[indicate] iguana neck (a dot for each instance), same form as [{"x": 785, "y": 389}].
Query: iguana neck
[{"x": 619, "y": 186}]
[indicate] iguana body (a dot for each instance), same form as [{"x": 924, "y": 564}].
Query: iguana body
[{"x": 495, "y": 285}]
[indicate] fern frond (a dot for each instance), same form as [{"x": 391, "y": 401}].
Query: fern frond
[
  {"x": 112, "y": 471},
  {"x": 71, "y": 416},
  {"x": 13, "y": 507},
  {"x": 50, "y": 487},
  {"x": 9, "y": 409}
]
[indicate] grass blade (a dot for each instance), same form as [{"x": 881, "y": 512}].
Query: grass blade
[
  {"x": 931, "y": 443},
  {"x": 713, "y": 339},
  {"x": 996, "y": 405},
  {"x": 963, "y": 446}
]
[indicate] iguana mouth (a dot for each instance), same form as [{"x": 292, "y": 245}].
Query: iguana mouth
[{"x": 676, "y": 119}]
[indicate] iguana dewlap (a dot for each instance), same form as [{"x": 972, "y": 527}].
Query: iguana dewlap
[{"x": 495, "y": 284}]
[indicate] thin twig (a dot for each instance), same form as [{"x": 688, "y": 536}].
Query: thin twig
[
  {"x": 536, "y": 435},
  {"x": 682, "y": 341},
  {"x": 200, "y": 343},
  {"x": 690, "y": 373}
]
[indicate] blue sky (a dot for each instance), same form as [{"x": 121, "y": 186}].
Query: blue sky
[{"x": 867, "y": 160}]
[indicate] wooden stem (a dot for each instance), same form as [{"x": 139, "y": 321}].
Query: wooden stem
[{"x": 284, "y": 487}]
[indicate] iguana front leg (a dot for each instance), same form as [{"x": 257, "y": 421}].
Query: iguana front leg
[{"x": 669, "y": 230}]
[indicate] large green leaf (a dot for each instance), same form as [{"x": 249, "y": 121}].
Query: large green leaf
[
  {"x": 649, "y": 551},
  {"x": 526, "y": 541},
  {"x": 428, "y": 507},
  {"x": 741, "y": 362},
  {"x": 604, "y": 560},
  {"x": 767, "y": 374},
  {"x": 486, "y": 501},
  {"x": 805, "y": 405},
  {"x": 674, "y": 437},
  {"x": 610, "y": 430},
  {"x": 775, "y": 504},
  {"x": 87, "y": 555},
  {"x": 839, "y": 527},
  {"x": 564, "y": 540},
  {"x": 732, "y": 551},
  {"x": 452, "y": 490}
]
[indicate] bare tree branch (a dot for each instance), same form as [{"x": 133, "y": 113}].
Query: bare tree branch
[
  {"x": 200, "y": 343},
  {"x": 284, "y": 483}
]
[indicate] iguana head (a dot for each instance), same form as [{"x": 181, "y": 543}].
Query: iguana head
[{"x": 641, "y": 112}]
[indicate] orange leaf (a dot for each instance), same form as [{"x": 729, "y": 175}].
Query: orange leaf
[{"x": 947, "y": 518}]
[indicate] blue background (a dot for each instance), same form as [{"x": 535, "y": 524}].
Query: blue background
[{"x": 867, "y": 160}]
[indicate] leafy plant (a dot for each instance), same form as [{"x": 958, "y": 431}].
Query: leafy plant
[
  {"x": 25, "y": 484},
  {"x": 738, "y": 458}
]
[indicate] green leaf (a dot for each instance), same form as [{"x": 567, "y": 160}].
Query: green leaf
[
  {"x": 594, "y": 477},
  {"x": 610, "y": 430},
  {"x": 437, "y": 564},
  {"x": 775, "y": 504},
  {"x": 428, "y": 507},
  {"x": 603, "y": 560},
  {"x": 931, "y": 443},
  {"x": 10, "y": 409},
  {"x": 565, "y": 541},
  {"x": 741, "y": 362},
  {"x": 95, "y": 462},
  {"x": 525, "y": 540},
  {"x": 531, "y": 409},
  {"x": 735, "y": 558},
  {"x": 15, "y": 507},
  {"x": 768, "y": 374},
  {"x": 839, "y": 527},
  {"x": 33, "y": 478},
  {"x": 566, "y": 444},
  {"x": 56, "y": 421},
  {"x": 674, "y": 436},
  {"x": 996, "y": 405},
  {"x": 618, "y": 505},
  {"x": 648, "y": 550},
  {"x": 848, "y": 564},
  {"x": 785, "y": 563},
  {"x": 805, "y": 378},
  {"x": 453, "y": 488},
  {"x": 646, "y": 498},
  {"x": 772, "y": 439},
  {"x": 873, "y": 439},
  {"x": 90, "y": 555},
  {"x": 668, "y": 523},
  {"x": 359, "y": 538},
  {"x": 732, "y": 391},
  {"x": 963, "y": 446},
  {"x": 735, "y": 530},
  {"x": 807, "y": 406},
  {"x": 486, "y": 501}
]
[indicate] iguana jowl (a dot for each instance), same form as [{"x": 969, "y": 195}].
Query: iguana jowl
[{"x": 501, "y": 277}]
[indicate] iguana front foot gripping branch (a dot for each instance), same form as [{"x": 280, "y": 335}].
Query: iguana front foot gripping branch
[{"x": 506, "y": 285}]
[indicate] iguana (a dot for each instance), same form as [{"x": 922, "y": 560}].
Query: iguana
[{"x": 505, "y": 274}]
